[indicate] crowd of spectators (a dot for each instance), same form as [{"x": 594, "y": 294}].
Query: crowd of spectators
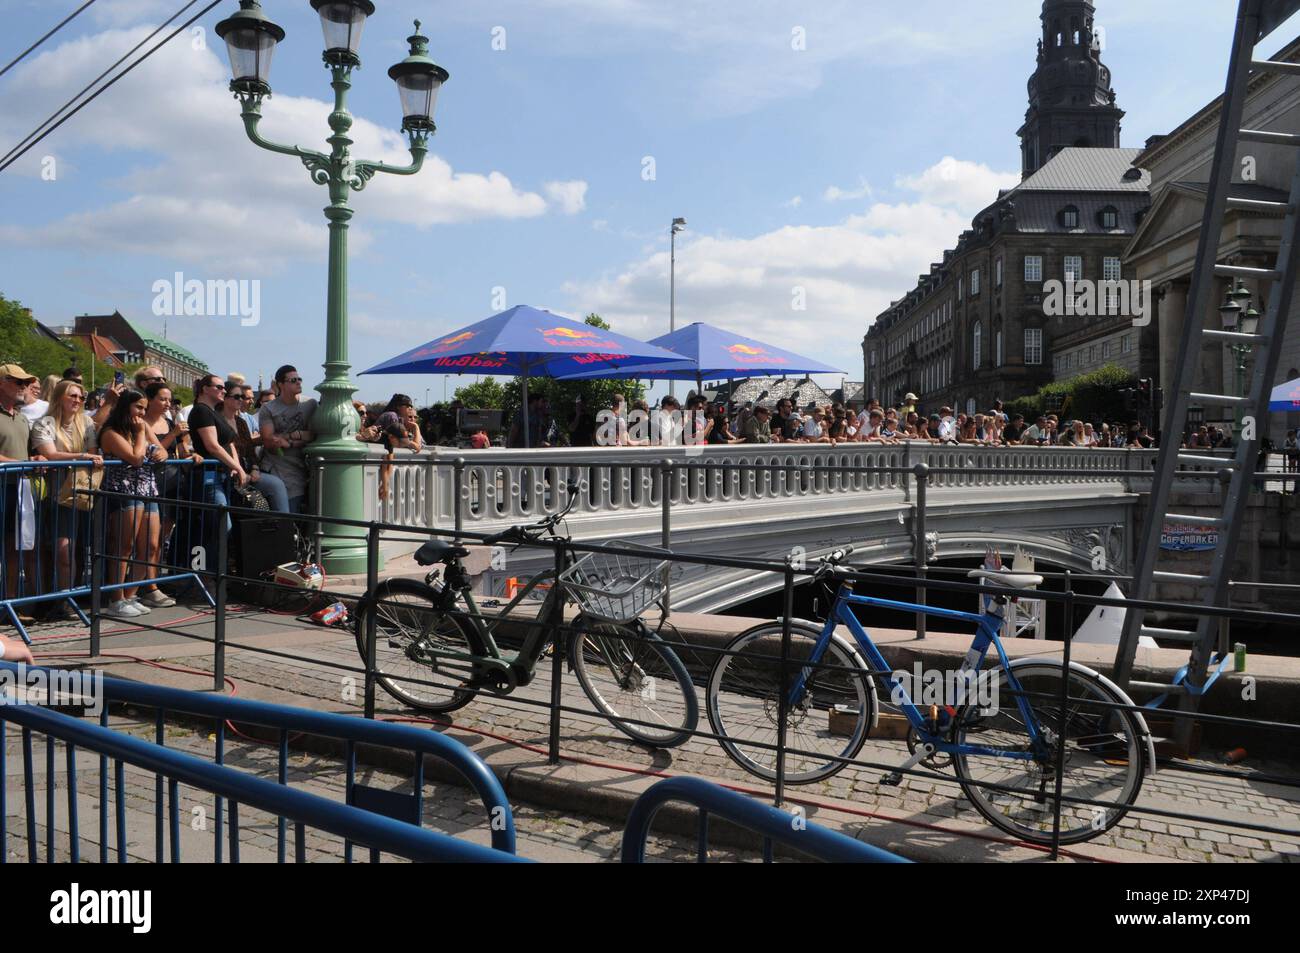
[
  {"x": 705, "y": 422},
  {"x": 246, "y": 449}
]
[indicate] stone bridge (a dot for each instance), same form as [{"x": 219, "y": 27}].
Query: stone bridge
[{"x": 1070, "y": 507}]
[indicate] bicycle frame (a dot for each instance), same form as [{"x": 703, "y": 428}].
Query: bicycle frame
[{"x": 985, "y": 636}]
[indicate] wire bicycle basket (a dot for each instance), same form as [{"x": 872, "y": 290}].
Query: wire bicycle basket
[{"x": 617, "y": 588}]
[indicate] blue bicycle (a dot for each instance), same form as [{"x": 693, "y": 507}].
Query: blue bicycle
[{"x": 1003, "y": 728}]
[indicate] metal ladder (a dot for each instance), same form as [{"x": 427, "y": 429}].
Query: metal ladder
[{"x": 1255, "y": 20}]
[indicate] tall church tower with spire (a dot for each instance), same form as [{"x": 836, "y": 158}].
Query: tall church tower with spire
[{"x": 1071, "y": 102}]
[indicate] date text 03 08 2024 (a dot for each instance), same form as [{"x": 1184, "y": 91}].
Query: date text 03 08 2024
[{"x": 1184, "y": 896}]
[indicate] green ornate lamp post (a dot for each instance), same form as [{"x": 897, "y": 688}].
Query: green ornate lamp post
[
  {"x": 1239, "y": 315},
  {"x": 251, "y": 39}
]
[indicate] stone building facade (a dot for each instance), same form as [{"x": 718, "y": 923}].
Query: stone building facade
[
  {"x": 978, "y": 326},
  {"x": 1164, "y": 249}
]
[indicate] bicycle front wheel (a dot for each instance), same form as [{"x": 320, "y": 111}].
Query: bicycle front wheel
[
  {"x": 827, "y": 723},
  {"x": 411, "y": 630},
  {"x": 1105, "y": 754},
  {"x": 636, "y": 680}
]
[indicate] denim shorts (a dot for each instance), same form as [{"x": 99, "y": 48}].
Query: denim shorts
[{"x": 117, "y": 505}]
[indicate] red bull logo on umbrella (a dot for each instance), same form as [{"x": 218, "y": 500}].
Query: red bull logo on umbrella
[
  {"x": 570, "y": 337},
  {"x": 446, "y": 344},
  {"x": 748, "y": 354},
  {"x": 482, "y": 361}
]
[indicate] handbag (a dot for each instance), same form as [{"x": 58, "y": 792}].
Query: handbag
[
  {"x": 80, "y": 478},
  {"x": 250, "y": 498}
]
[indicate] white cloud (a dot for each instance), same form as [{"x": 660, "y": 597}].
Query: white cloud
[
  {"x": 571, "y": 197},
  {"x": 966, "y": 185},
  {"x": 847, "y": 273},
  {"x": 793, "y": 203},
  {"x": 834, "y": 193},
  {"x": 200, "y": 190}
]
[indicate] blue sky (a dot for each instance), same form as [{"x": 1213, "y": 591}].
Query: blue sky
[{"x": 827, "y": 150}]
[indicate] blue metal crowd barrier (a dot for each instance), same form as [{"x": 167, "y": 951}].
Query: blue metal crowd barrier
[
  {"x": 46, "y": 555},
  {"x": 791, "y": 830},
  {"x": 381, "y": 820}
]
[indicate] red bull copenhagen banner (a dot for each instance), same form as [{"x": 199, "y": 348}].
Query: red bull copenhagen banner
[{"x": 1187, "y": 538}]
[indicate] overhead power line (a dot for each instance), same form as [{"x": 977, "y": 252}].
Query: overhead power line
[
  {"x": 15, "y": 156},
  {"x": 92, "y": 83},
  {"x": 66, "y": 20}
]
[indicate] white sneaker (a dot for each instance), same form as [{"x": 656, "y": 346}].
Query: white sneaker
[
  {"x": 155, "y": 597},
  {"x": 123, "y": 610},
  {"x": 140, "y": 608}
]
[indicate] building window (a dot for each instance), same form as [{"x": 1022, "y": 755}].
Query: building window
[
  {"x": 1073, "y": 267},
  {"x": 970, "y": 407},
  {"x": 1109, "y": 218},
  {"x": 997, "y": 273},
  {"x": 1033, "y": 268},
  {"x": 1111, "y": 269},
  {"x": 960, "y": 282},
  {"x": 975, "y": 282},
  {"x": 976, "y": 334},
  {"x": 1126, "y": 344},
  {"x": 1033, "y": 345},
  {"x": 997, "y": 348},
  {"x": 1069, "y": 217},
  {"x": 1105, "y": 350},
  {"x": 1092, "y": 354}
]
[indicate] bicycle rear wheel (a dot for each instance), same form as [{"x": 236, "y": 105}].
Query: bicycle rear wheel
[
  {"x": 629, "y": 672},
  {"x": 1105, "y": 754},
  {"x": 409, "y": 628},
  {"x": 744, "y": 704}
]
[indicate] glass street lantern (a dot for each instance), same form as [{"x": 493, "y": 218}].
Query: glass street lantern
[
  {"x": 341, "y": 22},
  {"x": 1250, "y": 321},
  {"x": 1230, "y": 312},
  {"x": 250, "y": 40},
  {"x": 418, "y": 79}
]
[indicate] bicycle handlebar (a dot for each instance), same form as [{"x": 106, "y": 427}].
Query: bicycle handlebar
[{"x": 532, "y": 532}]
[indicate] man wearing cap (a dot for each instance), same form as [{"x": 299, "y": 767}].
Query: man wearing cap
[
  {"x": 947, "y": 426},
  {"x": 909, "y": 404},
  {"x": 15, "y": 433}
]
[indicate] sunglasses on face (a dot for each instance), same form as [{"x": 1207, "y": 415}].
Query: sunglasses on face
[{"x": 292, "y": 380}]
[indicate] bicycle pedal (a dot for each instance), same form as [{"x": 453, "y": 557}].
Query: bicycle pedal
[{"x": 893, "y": 779}]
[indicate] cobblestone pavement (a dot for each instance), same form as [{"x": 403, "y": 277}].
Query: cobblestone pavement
[
  {"x": 541, "y": 834},
  {"x": 522, "y": 718},
  {"x": 922, "y": 800}
]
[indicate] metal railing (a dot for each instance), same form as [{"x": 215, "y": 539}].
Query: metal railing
[
  {"x": 359, "y": 821},
  {"x": 773, "y": 825},
  {"x": 557, "y": 710}
]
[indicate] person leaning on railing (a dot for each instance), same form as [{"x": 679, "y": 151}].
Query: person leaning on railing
[
  {"x": 134, "y": 518},
  {"x": 172, "y": 434},
  {"x": 68, "y": 435},
  {"x": 15, "y": 436}
]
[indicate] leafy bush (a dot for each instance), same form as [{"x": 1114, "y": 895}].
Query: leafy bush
[{"x": 1093, "y": 397}]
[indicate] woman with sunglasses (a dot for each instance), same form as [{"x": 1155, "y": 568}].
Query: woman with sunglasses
[
  {"x": 68, "y": 434},
  {"x": 246, "y": 444},
  {"x": 214, "y": 439}
]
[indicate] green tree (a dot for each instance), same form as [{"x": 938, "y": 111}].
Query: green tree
[
  {"x": 1092, "y": 397},
  {"x": 487, "y": 394},
  {"x": 21, "y": 343}
]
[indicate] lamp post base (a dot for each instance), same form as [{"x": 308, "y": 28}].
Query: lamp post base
[{"x": 343, "y": 547}]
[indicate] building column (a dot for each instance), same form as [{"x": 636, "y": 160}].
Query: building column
[{"x": 1170, "y": 323}]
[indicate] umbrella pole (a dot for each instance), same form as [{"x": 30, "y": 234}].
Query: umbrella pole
[{"x": 526, "y": 443}]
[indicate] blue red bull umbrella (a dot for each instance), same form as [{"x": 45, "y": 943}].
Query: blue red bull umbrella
[
  {"x": 715, "y": 353},
  {"x": 1286, "y": 397},
  {"x": 528, "y": 341}
]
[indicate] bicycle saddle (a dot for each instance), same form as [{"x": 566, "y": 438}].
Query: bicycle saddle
[
  {"x": 1012, "y": 580},
  {"x": 439, "y": 551}
]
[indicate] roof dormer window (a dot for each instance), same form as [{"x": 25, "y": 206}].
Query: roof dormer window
[{"x": 1070, "y": 217}]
